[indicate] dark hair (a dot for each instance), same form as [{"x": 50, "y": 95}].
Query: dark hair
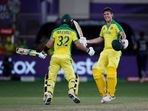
[{"x": 107, "y": 9}]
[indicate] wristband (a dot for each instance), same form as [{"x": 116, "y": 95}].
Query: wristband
[{"x": 46, "y": 49}]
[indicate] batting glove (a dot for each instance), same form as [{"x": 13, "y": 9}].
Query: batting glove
[
  {"x": 83, "y": 41},
  {"x": 91, "y": 51},
  {"x": 42, "y": 55},
  {"x": 125, "y": 43}
]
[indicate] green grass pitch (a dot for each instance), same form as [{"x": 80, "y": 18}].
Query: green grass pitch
[{"x": 28, "y": 96}]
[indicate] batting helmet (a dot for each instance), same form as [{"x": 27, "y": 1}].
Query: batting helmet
[
  {"x": 117, "y": 46},
  {"x": 66, "y": 19}
]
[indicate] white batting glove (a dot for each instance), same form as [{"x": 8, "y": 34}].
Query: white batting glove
[
  {"x": 42, "y": 55},
  {"x": 125, "y": 43},
  {"x": 83, "y": 41},
  {"x": 91, "y": 51}
]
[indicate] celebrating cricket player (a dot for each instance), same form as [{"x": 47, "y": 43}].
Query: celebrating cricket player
[{"x": 114, "y": 39}]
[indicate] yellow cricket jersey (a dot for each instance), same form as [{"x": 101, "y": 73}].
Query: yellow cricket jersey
[
  {"x": 63, "y": 37},
  {"x": 110, "y": 33}
]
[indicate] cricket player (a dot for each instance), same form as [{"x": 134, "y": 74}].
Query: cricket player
[
  {"x": 141, "y": 47},
  {"x": 109, "y": 57},
  {"x": 62, "y": 38}
]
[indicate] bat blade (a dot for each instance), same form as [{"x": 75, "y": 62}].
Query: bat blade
[
  {"x": 23, "y": 51},
  {"x": 78, "y": 28}
]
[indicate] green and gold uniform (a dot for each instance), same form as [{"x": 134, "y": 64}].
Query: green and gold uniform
[
  {"x": 63, "y": 37},
  {"x": 108, "y": 61}
]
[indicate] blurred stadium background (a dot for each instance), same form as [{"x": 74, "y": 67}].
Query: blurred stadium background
[
  {"x": 30, "y": 26},
  {"x": 31, "y": 22}
]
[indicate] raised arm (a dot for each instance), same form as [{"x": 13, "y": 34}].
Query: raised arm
[
  {"x": 89, "y": 50},
  {"x": 95, "y": 40}
]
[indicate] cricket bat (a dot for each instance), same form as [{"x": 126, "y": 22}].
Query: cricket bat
[
  {"x": 78, "y": 28},
  {"x": 23, "y": 51}
]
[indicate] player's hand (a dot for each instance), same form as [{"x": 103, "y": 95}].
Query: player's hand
[
  {"x": 42, "y": 55},
  {"x": 125, "y": 43},
  {"x": 83, "y": 41},
  {"x": 91, "y": 51}
]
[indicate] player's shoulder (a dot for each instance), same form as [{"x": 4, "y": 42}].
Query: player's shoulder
[
  {"x": 116, "y": 23},
  {"x": 71, "y": 30},
  {"x": 103, "y": 27},
  {"x": 65, "y": 27}
]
